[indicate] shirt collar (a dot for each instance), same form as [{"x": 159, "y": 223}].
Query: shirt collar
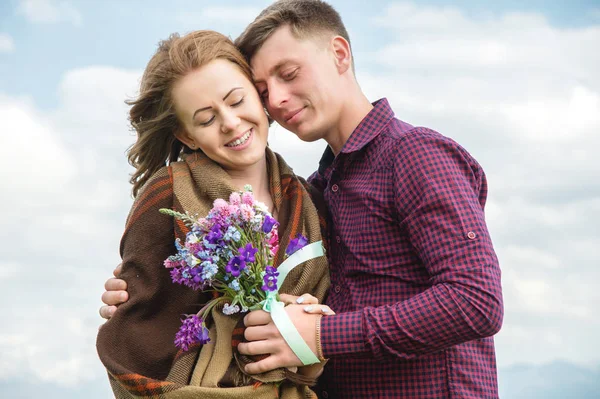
[{"x": 369, "y": 128}]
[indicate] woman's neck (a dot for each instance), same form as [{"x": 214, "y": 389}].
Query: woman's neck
[{"x": 257, "y": 176}]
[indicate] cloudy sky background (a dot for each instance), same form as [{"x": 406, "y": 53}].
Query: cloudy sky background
[{"x": 517, "y": 85}]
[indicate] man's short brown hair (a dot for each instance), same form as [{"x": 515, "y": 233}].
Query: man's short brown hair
[{"x": 306, "y": 18}]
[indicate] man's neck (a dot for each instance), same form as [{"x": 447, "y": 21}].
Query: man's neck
[{"x": 354, "y": 110}]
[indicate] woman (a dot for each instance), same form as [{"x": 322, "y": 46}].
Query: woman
[{"x": 199, "y": 112}]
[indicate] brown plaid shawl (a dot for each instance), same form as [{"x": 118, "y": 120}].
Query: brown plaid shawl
[{"x": 136, "y": 344}]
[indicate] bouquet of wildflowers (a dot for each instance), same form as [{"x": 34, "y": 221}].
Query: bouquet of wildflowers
[{"x": 231, "y": 252}]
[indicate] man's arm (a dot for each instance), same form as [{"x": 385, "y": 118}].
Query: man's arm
[
  {"x": 440, "y": 193},
  {"x": 115, "y": 294},
  {"x": 446, "y": 191}
]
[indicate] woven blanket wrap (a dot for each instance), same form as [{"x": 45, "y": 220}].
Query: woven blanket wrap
[{"x": 136, "y": 344}]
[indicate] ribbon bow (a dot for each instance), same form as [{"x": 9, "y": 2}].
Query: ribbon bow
[{"x": 277, "y": 309}]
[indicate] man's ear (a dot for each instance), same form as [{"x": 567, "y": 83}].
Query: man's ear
[{"x": 342, "y": 53}]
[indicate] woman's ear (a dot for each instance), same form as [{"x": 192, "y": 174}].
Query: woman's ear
[
  {"x": 342, "y": 53},
  {"x": 185, "y": 138}
]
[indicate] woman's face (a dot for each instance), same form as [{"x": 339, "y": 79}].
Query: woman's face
[{"x": 221, "y": 115}]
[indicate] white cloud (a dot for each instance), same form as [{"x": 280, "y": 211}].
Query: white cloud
[
  {"x": 7, "y": 44},
  {"x": 238, "y": 15},
  {"x": 523, "y": 97},
  {"x": 62, "y": 356},
  {"x": 220, "y": 18},
  {"x": 66, "y": 173},
  {"x": 48, "y": 164},
  {"x": 49, "y": 12}
]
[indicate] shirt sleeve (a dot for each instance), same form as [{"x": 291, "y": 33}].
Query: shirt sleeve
[{"x": 440, "y": 193}]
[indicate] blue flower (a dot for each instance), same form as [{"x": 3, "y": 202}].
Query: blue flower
[
  {"x": 232, "y": 234},
  {"x": 295, "y": 244},
  {"x": 235, "y": 285},
  {"x": 229, "y": 310},
  {"x": 209, "y": 270}
]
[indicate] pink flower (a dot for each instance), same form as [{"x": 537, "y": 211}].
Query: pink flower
[
  {"x": 204, "y": 224},
  {"x": 235, "y": 199},
  {"x": 247, "y": 198},
  {"x": 220, "y": 204},
  {"x": 233, "y": 210},
  {"x": 273, "y": 241},
  {"x": 246, "y": 212}
]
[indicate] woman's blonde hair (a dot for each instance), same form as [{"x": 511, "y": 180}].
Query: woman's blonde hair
[{"x": 152, "y": 114}]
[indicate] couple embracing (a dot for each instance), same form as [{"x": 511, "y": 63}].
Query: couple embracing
[{"x": 406, "y": 301}]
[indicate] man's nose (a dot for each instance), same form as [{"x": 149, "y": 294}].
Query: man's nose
[{"x": 278, "y": 96}]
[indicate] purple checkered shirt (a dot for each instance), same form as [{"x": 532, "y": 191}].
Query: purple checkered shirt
[{"x": 415, "y": 281}]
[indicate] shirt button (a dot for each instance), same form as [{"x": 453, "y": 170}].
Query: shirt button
[
  {"x": 337, "y": 289},
  {"x": 471, "y": 235},
  {"x": 338, "y": 239},
  {"x": 334, "y": 188},
  {"x": 324, "y": 394}
]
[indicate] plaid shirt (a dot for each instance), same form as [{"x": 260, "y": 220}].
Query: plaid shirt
[{"x": 415, "y": 281}]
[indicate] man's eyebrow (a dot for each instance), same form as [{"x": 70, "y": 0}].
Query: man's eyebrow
[
  {"x": 274, "y": 70},
  {"x": 224, "y": 98}
]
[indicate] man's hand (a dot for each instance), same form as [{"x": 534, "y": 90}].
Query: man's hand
[
  {"x": 115, "y": 295},
  {"x": 265, "y": 338}
]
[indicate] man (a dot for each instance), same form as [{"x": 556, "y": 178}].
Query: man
[{"x": 415, "y": 280}]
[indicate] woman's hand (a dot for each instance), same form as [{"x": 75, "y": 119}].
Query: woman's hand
[{"x": 312, "y": 303}]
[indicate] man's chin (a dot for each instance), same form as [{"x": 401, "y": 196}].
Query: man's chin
[{"x": 308, "y": 135}]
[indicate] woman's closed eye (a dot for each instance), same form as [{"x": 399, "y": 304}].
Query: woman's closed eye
[
  {"x": 238, "y": 103},
  {"x": 207, "y": 122}
]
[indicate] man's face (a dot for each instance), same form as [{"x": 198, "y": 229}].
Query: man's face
[{"x": 297, "y": 81}]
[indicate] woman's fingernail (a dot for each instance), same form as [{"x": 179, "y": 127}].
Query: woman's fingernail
[
  {"x": 325, "y": 309},
  {"x": 308, "y": 308},
  {"x": 123, "y": 296},
  {"x": 300, "y": 300}
]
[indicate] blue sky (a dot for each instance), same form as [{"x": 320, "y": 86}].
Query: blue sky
[{"x": 516, "y": 84}]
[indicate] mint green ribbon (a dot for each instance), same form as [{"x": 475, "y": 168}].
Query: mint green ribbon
[{"x": 277, "y": 309}]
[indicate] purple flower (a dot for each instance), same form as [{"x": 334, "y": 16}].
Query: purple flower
[
  {"x": 247, "y": 253},
  {"x": 215, "y": 234},
  {"x": 271, "y": 271},
  {"x": 268, "y": 224},
  {"x": 176, "y": 276},
  {"x": 295, "y": 244},
  {"x": 203, "y": 336},
  {"x": 235, "y": 266},
  {"x": 270, "y": 283},
  {"x": 192, "y": 330}
]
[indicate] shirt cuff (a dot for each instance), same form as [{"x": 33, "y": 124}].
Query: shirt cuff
[{"x": 342, "y": 334}]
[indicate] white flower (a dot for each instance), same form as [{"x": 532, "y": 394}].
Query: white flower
[{"x": 229, "y": 310}]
